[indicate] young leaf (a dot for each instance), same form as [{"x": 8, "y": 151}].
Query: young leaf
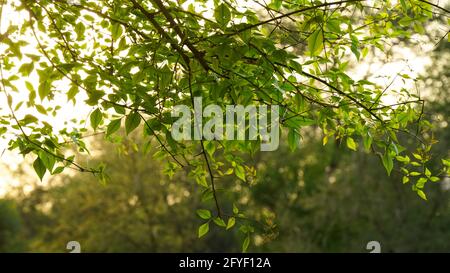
[
  {"x": 404, "y": 159},
  {"x": 421, "y": 182},
  {"x": 29, "y": 86},
  {"x": 58, "y": 170},
  {"x": 222, "y": 14},
  {"x": 434, "y": 179},
  {"x": 405, "y": 179},
  {"x": 293, "y": 139},
  {"x": 246, "y": 243},
  {"x": 240, "y": 172},
  {"x": 446, "y": 162},
  {"x": 113, "y": 126},
  {"x": 96, "y": 118},
  {"x": 203, "y": 229},
  {"x": 422, "y": 194},
  {"x": 26, "y": 69},
  {"x": 204, "y": 214},
  {"x": 39, "y": 168},
  {"x": 235, "y": 209},
  {"x": 315, "y": 42},
  {"x": 388, "y": 162},
  {"x": 48, "y": 160},
  {"x": 219, "y": 221},
  {"x": 132, "y": 122},
  {"x": 324, "y": 140},
  {"x": 355, "y": 46},
  {"x": 351, "y": 143},
  {"x": 41, "y": 109},
  {"x": 367, "y": 142},
  {"x": 44, "y": 89},
  {"x": 231, "y": 222},
  {"x": 210, "y": 148},
  {"x": 403, "y": 3},
  {"x": 116, "y": 31},
  {"x": 201, "y": 180}
]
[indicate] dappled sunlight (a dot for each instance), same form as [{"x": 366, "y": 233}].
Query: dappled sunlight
[{"x": 147, "y": 125}]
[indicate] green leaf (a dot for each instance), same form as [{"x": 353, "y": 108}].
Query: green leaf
[
  {"x": 201, "y": 180},
  {"x": 235, "y": 209},
  {"x": 404, "y": 159},
  {"x": 26, "y": 69},
  {"x": 315, "y": 42},
  {"x": 203, "y": 229},
  {"x": 116, "y": 31},
  {"x": 422, "y": 194},
  {"x": 293, "y": 139},
  {"x": 41, "y": 109},
  {"x": 79, "y": 30},
  {"x": 365, "y": 51},
  {"x": 427, "y": 172},
  {"x": 58, "y": 170},
  {"x": 240, "y": 172},
  {"x": 207, "y": 195},
  {"x": 132, "y": 122},
  {"x": 113, "y": 126},
  {"x": 39, "y": 168},
  {"x": 44, "y": 89},
  {"x": 18, "y": 106},
  {"x": 222, "y": 14},
  {"x": 96, "y": 117},
  {"x": 388, "y": 162},
  {"x": 29, "y": 86},
  {"x": 219, "y": 221},
  {"x": 204, "y": 214},
  {"x": 355, "y": 47},
  {"x": 434, "y": 179},
  {"x": 246, "y": 243},
  {"x": 231, "y": 222},
  {"x": 47, "y": 159},
  {"x": 367, "y": 142},
  {"x": 210, "y": 147},
  {"x": 73, "y": 91},
  {"x": 421, "y": 182},
  {"x": 405, "y": 179},
  {"x": 275, "y": 4},
  {"x": 403, "y": 3},
  {"x": 351, "y": 143},
  {"x": 334, "y": 25},
  {"x": 446, "y": 162},
  {"x": 417, "y": 156},
  {"x": 29, "y": 119}
]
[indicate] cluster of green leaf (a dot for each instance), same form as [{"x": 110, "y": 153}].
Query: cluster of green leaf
[{"x": 134, "y": 60}]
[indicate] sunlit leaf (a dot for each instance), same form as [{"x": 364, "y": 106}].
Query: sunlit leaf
[
  {"x": 315, "y": 42},
  {"x": 203, "y": 229}
]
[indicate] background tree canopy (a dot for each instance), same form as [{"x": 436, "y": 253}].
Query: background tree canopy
[{"x": 130, "y": 62}]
